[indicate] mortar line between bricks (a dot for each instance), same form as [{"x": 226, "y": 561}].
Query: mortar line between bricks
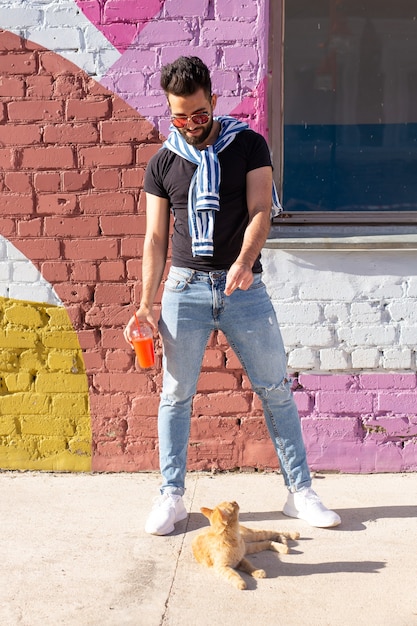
[{"x": 178, "y": 556}]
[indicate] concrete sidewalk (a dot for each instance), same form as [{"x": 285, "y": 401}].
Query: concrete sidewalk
[{"x": 74, "y": 553}]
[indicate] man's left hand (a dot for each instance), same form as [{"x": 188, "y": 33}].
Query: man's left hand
[{"x": 239, "y": 276}]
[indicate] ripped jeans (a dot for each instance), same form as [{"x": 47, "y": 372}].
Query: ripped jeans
[{"x": 193, "y": 305}]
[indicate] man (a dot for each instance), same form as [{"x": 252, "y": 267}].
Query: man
[{"x": 215, "y": 176}]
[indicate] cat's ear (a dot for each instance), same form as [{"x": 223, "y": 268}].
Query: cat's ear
[{"x": 206, "y": 512}]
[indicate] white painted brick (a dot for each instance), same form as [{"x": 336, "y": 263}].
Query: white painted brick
[
  {"x": 303, "y": 359},
  {"x": 368, "y": 335},
  {"x": 13, "y": 16},
  {"x": 386, "y": 290},
  {"x": 366, "y": 312},
  {"x": 4, "y": 290},
  {"x": 333, "y": 359},
  {"x": 408, "y": 336},
  {"x": 397, "y": 358},
  {"x": 25, "y": 272},
  {"x": 33, "y": 293},
  {"x": 405, "y": 309},
  {"x": 320, "y": 289},
  {"x": 412, "y": 287},
  {"x": 307, "y": 336},
  {"x": 4, "y": 270},
  {"x": 56, "y": 38},
  {"x": 366, "y": 358},
  {"x": 90, "y": 63},
  {"x": 298, "y": 313},
  {"x": 336, "y": 312}
]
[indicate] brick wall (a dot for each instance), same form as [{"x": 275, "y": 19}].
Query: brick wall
[
  {"x": 81, "y": 113},
  {"x": 73, "y": 156}
]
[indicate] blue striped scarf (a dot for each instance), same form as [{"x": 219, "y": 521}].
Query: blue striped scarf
[{"x": 203, "y": 194}]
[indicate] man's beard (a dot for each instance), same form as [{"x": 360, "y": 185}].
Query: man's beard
[{"x": 198, "y": 139}]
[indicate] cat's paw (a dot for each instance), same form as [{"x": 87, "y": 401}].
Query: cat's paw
[
  {"x": 259, "y": 573},
  {"x": 282, "y": 548},
  {"x": 240, "y": 584}
]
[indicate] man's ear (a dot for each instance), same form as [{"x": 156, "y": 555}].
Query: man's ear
[{"x": 213, "y": 101}]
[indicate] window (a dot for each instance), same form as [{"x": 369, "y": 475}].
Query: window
[{"x": 343, "y": 110}]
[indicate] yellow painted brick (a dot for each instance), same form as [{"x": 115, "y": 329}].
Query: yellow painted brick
[
  {"x": 30, "y": 403},
  {"x": 70, "y": 404},
  {"x": 56, "y": 382},
  {"x": 66, "y": 340},
  {"x": 45, "y": 425},
  {"x": 26, "y": 447},
  {"x": 66, "y": 360},
  {"x": 32, "y": 360},
  {"x": 8, "y": 360},
  {"x": 3, "y": 388},
  {"x": 16, "y": 459},
  {"x": 18, "y": 339},
  {"x": 7, "y": 425},
  {"x": 52, "y": 445},
  {"x": 18, "y": 382},
  {"x": 58, "y": 318},
  {"x": 80, "y": 446},
  {"x": 24, "y": 315}
]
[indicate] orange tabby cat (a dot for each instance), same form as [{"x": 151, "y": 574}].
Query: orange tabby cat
[{"x": 224, "y": 544}]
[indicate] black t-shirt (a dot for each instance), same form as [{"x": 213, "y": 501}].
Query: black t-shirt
[{"x": 169, "y": 175}]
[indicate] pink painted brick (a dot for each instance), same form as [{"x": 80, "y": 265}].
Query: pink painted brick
[
  {"x": 343, "y": 456},
  {"x": 233, "y": 57},
  {"x": 329, "y": 430},
  {"x": 303, "y": 402},
  {"x": 225, "y": 82},
  {"x": 398, "y": 402},
  {"x": 225, "y": 32},
  {"x": 170, "y": 32},
  {"x": 342, "y": 403},
  {"x": 388, "y": 428},
  {"x": 181, "y": 9},
  {"x": 170, "y": 53},
  {"x": 410, "y": 456},
  {"x": 233, "y": 9},
  {"x": 388, "y": 381},
  {"x": 387, "y": 456}
]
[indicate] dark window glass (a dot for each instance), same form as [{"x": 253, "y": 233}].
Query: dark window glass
[{"x": 350, "y": 105}]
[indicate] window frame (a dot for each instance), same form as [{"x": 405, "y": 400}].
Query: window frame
[{"x": 275, "y": 108}]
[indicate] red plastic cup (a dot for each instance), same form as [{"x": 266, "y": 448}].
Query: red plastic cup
[{"x": 142, "y": 341}]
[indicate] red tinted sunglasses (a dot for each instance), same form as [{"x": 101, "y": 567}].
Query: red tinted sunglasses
[{"x": 179, "y": 121}]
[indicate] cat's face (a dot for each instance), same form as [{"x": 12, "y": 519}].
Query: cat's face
[{"x": 224, "y": 514}]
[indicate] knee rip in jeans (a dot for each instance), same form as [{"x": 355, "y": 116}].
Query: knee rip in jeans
[{"x": 264, "y": 392}]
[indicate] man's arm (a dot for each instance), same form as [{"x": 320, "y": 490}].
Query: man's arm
[
  {"x": 259, "y": 200},
  {"x": 154, "y": 258}
]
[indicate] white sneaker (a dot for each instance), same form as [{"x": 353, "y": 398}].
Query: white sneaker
[
  {"x": 166, "y": 511},
  {"x": 306, "y": 505}
]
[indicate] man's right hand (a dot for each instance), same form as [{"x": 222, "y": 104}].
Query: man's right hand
[{"x": 142, "y": 315}]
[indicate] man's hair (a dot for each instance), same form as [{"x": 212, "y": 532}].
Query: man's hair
[{"x": 185, "y": 76}]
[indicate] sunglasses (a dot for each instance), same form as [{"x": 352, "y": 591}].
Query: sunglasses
[{"x": 180, "y": 121}]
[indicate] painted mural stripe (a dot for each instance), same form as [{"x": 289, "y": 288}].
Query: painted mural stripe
[
  {"x": 62, "y": 28},
  {"x": 20, "y": 279},
  {"x": 45, "y": 421}
]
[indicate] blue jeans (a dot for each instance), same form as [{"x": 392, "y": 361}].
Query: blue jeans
[{"x": 193, "y": 305}]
